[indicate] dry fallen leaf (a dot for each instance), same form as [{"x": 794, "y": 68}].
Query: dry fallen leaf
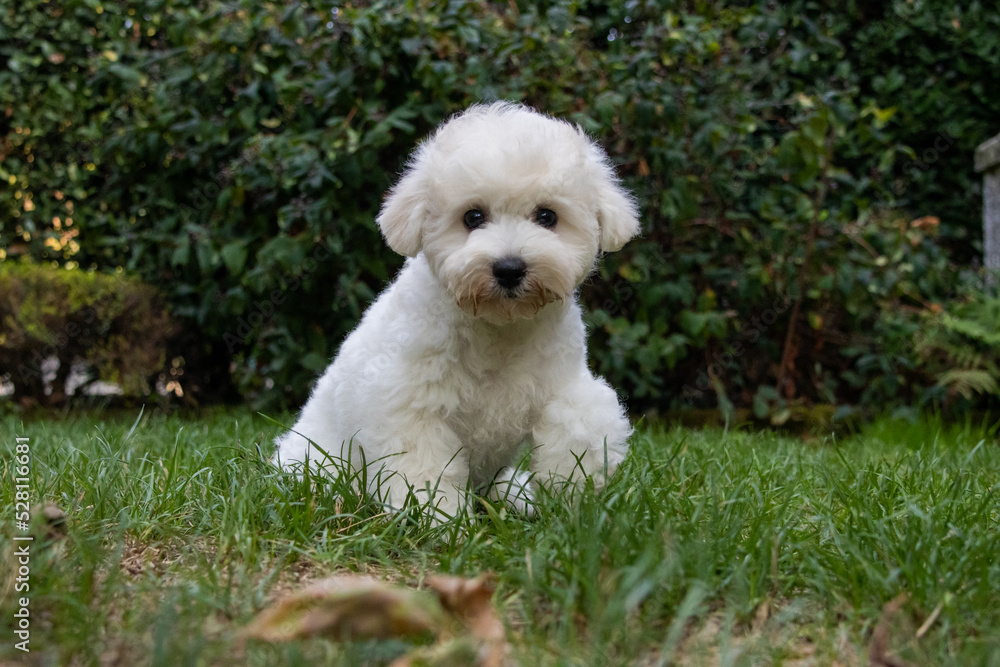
[
  {"x": 468, "y": 600},
  {"x": 53, "y": 519},
  {"x": 351, "y": 608},
  {"x": 453, "y": 610},
  {"x": 878, "y": 650}
]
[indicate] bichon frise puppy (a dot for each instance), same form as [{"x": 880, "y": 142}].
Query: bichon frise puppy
[{"x": 478, "y": 347}]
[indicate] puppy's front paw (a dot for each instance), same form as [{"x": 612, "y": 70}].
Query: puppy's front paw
[
  {"x": 513, "y": 488},
  {"x": 441, "y": 504},
  {"x": 584, "y": 432}
]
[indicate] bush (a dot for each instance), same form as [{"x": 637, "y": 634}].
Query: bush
[
  {"x": 794, "y": 234},
  {"x": 111, "y": 328},
  {"x": 960, "y": 348},
  {"x": 235, "y": 154}
]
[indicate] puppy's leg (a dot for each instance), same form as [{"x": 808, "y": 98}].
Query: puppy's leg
[
  {"x": 427, "y": 459},
  {"x": 582, "y": 431},
  {"x": 513, "y": 487}
]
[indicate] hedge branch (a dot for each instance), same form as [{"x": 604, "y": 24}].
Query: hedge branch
[{"x": 787, "y": 354}]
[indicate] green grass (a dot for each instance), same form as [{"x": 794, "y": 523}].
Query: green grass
[{"x": 706, "y": 548}]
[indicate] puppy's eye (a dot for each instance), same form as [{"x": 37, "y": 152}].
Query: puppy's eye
[
  {"x": 546, "y": 217},
  {"x": 474, "y": 218}
]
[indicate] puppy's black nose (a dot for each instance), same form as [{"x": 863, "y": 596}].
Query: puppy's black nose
[{"x": 509, "y": 272}]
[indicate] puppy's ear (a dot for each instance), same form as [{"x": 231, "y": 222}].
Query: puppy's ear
[
  {"x": 617, "y": 213},
  {"x": 617, "y": 216},
  {"x": 402, "y": 215}
]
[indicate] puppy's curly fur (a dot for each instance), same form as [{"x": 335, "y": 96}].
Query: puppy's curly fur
[{"x": 478, "y": 347}]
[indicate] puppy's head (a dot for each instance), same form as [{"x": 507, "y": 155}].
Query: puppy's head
[{"x": 510, "y": 208}]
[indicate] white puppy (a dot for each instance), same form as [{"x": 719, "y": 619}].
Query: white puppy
[{"x": 478, "y": 347}]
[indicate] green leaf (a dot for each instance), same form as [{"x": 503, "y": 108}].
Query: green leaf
[
  {"x": 234, "y": 255},
  {"x": 314, "y": 361},
  {"x": 781, "y": 417}
]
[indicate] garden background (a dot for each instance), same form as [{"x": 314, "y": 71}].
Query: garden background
[
  {"x": 811, "y": 218},
  {"x": 187, "y": 200}
]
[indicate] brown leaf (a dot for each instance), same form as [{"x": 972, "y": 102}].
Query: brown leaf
[
  {"x": 878, "y": 650},
  {"x": 51, "y": 518},
  {"x": 468, "y": 600},
  {"x": 454, "y": 610},
  {"x": 351, "y": 608},
  {"x": 926, "y": 221}
]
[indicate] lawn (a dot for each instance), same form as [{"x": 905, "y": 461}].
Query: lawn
[{"x": 708, "y": 547}]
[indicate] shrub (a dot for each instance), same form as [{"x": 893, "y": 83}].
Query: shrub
[
  {"x": 235, "y": 154},
  {"x": 784, "y": 257},
  {"x": 115, "y": 328},
  {"x": 960, "y": 348}
]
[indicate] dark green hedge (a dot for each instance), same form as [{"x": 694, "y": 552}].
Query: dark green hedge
[{"x": 804, "y": 170}]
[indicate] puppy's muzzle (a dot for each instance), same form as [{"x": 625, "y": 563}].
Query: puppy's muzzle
[{"x": 509, "y": 272}]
